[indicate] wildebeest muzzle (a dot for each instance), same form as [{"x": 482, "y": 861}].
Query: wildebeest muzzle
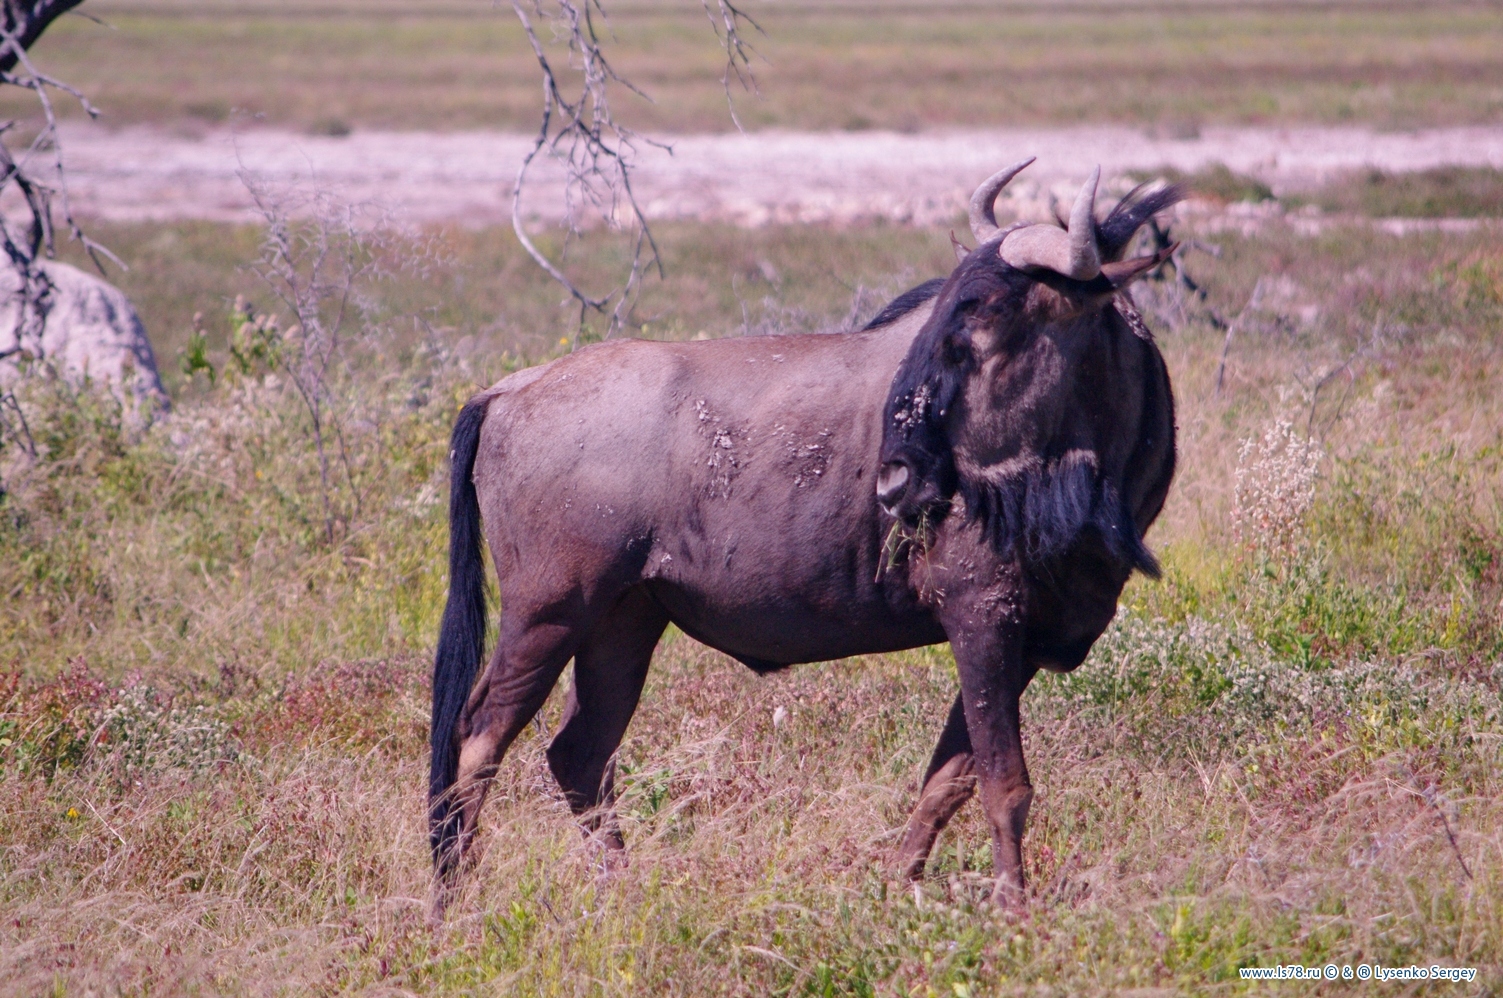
[{"x": 909, "y": 486}]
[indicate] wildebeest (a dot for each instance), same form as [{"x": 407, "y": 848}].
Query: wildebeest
[{"x": 978, "y": 464}]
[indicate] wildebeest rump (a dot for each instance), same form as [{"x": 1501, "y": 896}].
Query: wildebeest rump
[{"x": 1021, "y": 422}]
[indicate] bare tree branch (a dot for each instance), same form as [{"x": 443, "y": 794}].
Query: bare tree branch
[
  {"x": 21, "y": 24},
  {"x": 25, "y": 22},
  {"x": 725, "y": 21},
  {"x": 579, "y": 129},
  {"x": 1253, "y": 302},
  {"x": 314, "y": 258},
  {"x": 1346, "y": 367}
]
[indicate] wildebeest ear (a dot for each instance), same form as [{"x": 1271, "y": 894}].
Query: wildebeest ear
[
  {"x": 961, "y": 249},
  {"x": 1124, "y": 272}
]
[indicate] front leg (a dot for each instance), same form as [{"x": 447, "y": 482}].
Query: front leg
[
  {"x": 986, "y": 630},
  {"x": 948, "y": 784}
]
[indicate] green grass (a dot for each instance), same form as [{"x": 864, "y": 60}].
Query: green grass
[
  {"x": 1168, "y": 66},
  {"x": 1216, "y": 183},
  {"x": 212, "y": 720},
  {"x": 1445, "y": 192}
]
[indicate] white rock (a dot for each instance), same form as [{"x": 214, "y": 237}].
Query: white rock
[{"x": 91, "y": 330}]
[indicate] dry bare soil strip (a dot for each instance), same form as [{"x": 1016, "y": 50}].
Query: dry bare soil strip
[{"x": 750, "y": 179}]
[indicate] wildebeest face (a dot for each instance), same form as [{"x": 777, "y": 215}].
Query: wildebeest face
[
  {"x": 986, "y": 384},
  {"x": 1008, "y": 391}
]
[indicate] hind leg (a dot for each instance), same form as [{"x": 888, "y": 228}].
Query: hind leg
[
  {"x": 527, "y": 663},
  {"x": 948, "y": 784},
  {"x": 609, "y": 670}
]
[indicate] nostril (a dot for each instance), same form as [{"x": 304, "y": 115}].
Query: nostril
[{"x": 891, "y": 482}]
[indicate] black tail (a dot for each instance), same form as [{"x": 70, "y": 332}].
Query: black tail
[{"x": 461, "y": 638}]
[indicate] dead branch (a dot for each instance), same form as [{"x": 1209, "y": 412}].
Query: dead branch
[
  {"x": 1253, "y": 302},
  {"x": 21, "y": 24},
  {"x": 1183, "y": 288},
  {"x": 725, "y": 21},
  {"x": 1347, "y": 367},
  {"x": 24, "y": 23},
  {"x": 314, "y": 259},
  {"x": 11, "y": 45},
  {"x": 580, "y": 129}
]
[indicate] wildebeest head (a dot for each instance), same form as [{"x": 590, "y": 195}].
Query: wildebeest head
[{"x": 1024, "y": 393}]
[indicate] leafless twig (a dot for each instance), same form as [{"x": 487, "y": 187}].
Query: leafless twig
[
  {"x": 579, "y": 128},
  {"x": 11, "y": 44},
  {"x": 725, "y": 21},
  {"x": 1253, "y": 302},
  {"x": 314, "y": 258},
  {"x": 1434, "y": 798},
  {"x": 1346, "y": 367},
  {"x": 1172, "y": 295},
  {"x": 13, "y": 423}
]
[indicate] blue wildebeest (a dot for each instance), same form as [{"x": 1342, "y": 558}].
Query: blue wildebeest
[{"x": 978, "y": 464}]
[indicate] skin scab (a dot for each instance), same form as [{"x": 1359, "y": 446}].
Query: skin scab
[
  {"x": 659, "y": 564},
  {"x": 808, "y": 460},
  {"x": 912, "y": 413},
  {"x": 722, "y": 462}
]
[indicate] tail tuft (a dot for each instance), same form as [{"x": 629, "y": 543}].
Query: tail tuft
[{"x": 461, "y": 637}]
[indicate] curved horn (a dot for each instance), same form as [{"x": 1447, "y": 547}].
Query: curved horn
[
  {"x": 1085, "y": 258},
  {"x": 983, "y": 202},
  {"x": 1070, "y": 252}
]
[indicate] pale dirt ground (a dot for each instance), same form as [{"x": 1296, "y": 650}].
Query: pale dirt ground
[{"x": 466, "y": 178}]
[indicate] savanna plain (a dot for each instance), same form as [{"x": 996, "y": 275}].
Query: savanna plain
[{"x": 214, "y": 643}]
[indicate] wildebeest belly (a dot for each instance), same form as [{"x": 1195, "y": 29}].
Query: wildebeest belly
[{"x": 769, "y": 633}]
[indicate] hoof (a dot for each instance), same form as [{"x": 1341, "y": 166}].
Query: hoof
[
  {"x": 438, "y": 904},
  {"x": 909, "y": 868},
  {"x": 1009, "y": 896}
]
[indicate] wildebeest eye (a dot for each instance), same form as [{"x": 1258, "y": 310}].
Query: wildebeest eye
[{"x": 956, "y": 347}]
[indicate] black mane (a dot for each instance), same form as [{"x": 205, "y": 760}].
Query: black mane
[
  {"x": 905, "y": 303},
  {"x": 1116, "y": 230}
]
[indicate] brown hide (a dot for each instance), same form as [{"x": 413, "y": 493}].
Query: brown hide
[{"x": 732, "y": 478}]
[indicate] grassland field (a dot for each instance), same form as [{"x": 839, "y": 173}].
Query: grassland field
[
  {"x": 1290, "y": 750},
  {"x": 1175, "y": 66},
  {"x": 212, "y": 742}
]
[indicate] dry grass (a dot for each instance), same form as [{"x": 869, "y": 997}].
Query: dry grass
[
  {"x": 1159, "y": 856},
  {"x": 211, "y": 769},
  {"x": 1169, "y": 66}
]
